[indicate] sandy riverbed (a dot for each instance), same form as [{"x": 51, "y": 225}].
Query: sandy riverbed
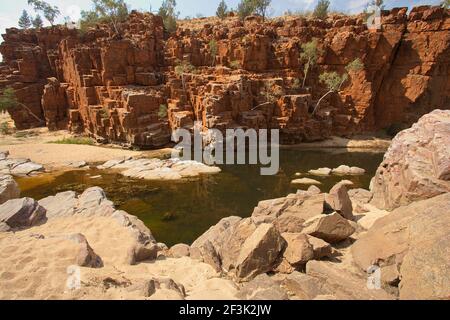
[{"x": 35, "y": 144}]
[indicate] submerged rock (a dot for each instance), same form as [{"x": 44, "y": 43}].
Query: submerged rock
[
  {"x": 320, "y": 172},
  {"x": 156, "y": 169},
  {"x": 346, "y": 170},
  {"x": 306, "y": 181}
]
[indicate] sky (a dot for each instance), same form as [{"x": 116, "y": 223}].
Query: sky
[{"x": 11, "y": 10}]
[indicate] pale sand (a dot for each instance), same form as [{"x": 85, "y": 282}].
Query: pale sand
[
  {"x": 36, "y": 145},
  {"x": 358, "y": 143},
  {"x": 33, "y": 268},
  {"x": 53, "y": 156}
]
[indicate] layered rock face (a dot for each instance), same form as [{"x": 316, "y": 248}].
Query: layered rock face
[{"x": 114, "y": 89}]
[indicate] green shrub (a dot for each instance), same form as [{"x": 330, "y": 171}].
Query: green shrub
[
  {"x": 4, "y": 128},
  {"x": 321, "y": 9},
  {"x": 235, "y": 64},
  {"x": 162, "y": 113},
  {"x": 355, "y": 65},
  {"x": 105, "y": 11},
  {"x": 169, "y": 15},
  {"x": 222, "y": 10},
  {"x": 75, "y": 140},
  {"x": 104, "y": 114},
  {"x": 245, "y": 8}
]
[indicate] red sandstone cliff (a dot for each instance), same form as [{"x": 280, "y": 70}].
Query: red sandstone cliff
[{"x": 112, "y": 88}]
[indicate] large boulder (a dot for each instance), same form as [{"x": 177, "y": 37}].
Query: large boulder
[
  {"x": 262, "y": 287},
  {"x": 259, "y": 252},
  {"x": 218, "y": 233},
  {"x": 8, "y": 188},
  {"x": 268, "y": 210},
  {"x": 339, "y": 200},
  {"x": 417, "y": 165},
  {"x": 26, "y": 168},
  {"x": 24, "y": 212},
  {"x": 341, "y": 283},
  {"x": 60, "y": 205},
  {"x": 298, "y": 250},
  {"x": 332, "y": 228},
  {"x": 321, "y": 248},
  {"x": 303, "y": 286},
  {"x": 94, "y": 201},
  {"x": 288, "y": 214},
  {"x": 232, "y": 246},
  {"x": 207, "y": 253},
  {"x": 414, "y": 240},
  {"x": 179, "y": 250},
  {"x": 86, "y": 257}
]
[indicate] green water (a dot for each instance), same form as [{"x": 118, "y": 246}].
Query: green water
[{"x": 181, "y": 211}]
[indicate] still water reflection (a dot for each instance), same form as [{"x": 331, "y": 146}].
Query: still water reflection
[{"x": 181, "y": 211}]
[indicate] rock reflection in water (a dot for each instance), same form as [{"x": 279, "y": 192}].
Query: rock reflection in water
[{"x": 181, "y": 211}]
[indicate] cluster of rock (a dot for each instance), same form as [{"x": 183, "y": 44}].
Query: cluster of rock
[
  {"x": 21, "y": 213},
  {"x": 307, "y": 245},
  {"x": 342, "y": 170},
  {"x": 282, "y": 234},
  {"x": 18, "y": 167},
  {"x": 409, "y": 246},
  {"x": 113, "y": 89},
  {"x": 156, "y": 169}
]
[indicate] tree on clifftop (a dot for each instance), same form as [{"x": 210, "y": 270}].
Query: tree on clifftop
[
  {"x": 106, "y": 11},
  {"x": 24, "y": 20},
  {"x": 169, "y": 15},
  {"x": 50, "y": 12},
  {"x": 222, "y": 10},
  {"x": 37, "y": 22},
  {"x": 249, "y": 7},
  {"x": 8, "y": 101},
  {"x": 446, "y": 4},
  {"x": 261, "y": 7},
  {"x": 245, "y": 8},
  {"x": 321, "y": 9}
]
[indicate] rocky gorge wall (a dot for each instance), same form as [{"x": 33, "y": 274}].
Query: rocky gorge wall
[{"x": 112, "y": 88}]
